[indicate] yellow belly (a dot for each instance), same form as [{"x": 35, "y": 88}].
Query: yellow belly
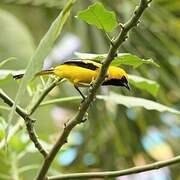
[{"x": 76, "y": 75}]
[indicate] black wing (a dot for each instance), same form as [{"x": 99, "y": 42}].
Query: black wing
[{"x": 80, "y": 63}]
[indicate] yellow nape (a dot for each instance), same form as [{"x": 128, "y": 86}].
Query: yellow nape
[{"x": 116, "y": 73}]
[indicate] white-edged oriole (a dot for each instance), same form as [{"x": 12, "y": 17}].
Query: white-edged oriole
[{"x": 82, "y": 73}]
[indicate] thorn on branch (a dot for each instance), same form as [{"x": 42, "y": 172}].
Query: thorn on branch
[
  {"x": 149, "y": 1},
  {"x": 85, "y": 118},
  {"x": 125, "y": 38},
  {"x": 135, "y": 11},
  {"x": 65, "y": 124},
  {"x": 116, "y": 55},
  {"x": 91, "y": 85},
  {"x": 32, "y": 121},
  {"x": 121, "y": 25},
  {"x": 138, "y": 22}
]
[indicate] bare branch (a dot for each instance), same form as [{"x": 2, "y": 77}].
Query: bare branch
[{"x": 108, "y": 174}]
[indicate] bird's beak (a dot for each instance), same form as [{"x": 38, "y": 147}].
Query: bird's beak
[{"x": 126, "y": 85}]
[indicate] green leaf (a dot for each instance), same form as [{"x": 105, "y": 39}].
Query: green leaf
[
  {"x": 122, "y": 58},
  {"x": 6, "y": 61},
  {"x": 61, "y": 100},
  {"x": 41, "y": 53},
  {"x": 142, "y": 83},
  {"x": 131, "y": 102},
  {"x": 97, "y": 15},
  {"x": 131, "y": 60},
  {"x": 6, "y": 74},
  {"x": 99, "y": 57},
  {"x": 4, "y": 108},
  {"x": 127, "y": 101}
]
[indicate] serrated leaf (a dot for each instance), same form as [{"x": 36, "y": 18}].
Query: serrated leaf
[
  {"x": 131, "y": 102},
  {"x": 6, "y": 61},
  {"x": 97, "y": 15},
  {"x": 142, "y": 83},
  {"x": 122, "y": 58}
]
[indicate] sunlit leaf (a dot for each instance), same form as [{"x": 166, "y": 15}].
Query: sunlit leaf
[
  {"x": 130, "y": 102},
  {"x": 97, "y": 15},
  {"x": 132, "y": 60},
  {"x": 127, "y": 101},
  {"x": 4, "y": 108},
  {"x": 3, "y": 125},
  {"x": 99, "y": 57},
  {"x": 61, "y": 100},
  {"x": 6, "y": 74},
  {"x": 122, "y": 58},
  {"x": 143, "y": 83}
]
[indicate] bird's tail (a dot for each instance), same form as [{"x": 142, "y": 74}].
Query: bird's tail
[
  {"x": 41, "y": 73},
  {"x": 45, "y": 72}
]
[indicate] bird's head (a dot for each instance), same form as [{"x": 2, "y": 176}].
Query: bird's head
[
  {"x": 118, "y": 82},
  {"x": 117, "y": 77}
]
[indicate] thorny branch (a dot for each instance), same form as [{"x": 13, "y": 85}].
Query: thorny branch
[{"x": 78, "y": 118}]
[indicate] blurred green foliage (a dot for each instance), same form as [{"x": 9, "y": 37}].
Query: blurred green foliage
[{"x": 114, "y": 137}]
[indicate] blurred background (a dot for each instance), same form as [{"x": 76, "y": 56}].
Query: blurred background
[{"x": 114, "y": 137}]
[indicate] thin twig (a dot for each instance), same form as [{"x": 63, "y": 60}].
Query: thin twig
[
  {"x": 110, "y": 174},
  {"x": 93, "y": 89},
  {"x": 26, "y": 116},
  {"x": 43, "y": 95},
  {"x": 13, "y": 131},
  {"x": 28, "y": 121}
]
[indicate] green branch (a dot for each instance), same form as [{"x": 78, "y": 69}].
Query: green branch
[
  {"x": 110, "y": 174},
  {"x": 14, "y": 130},
  {"x": 43, "y": 95},
  {"x": 93, "y": 89}
]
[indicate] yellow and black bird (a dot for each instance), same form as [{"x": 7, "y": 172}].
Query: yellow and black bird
[{"x": 81, "y": 73}]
